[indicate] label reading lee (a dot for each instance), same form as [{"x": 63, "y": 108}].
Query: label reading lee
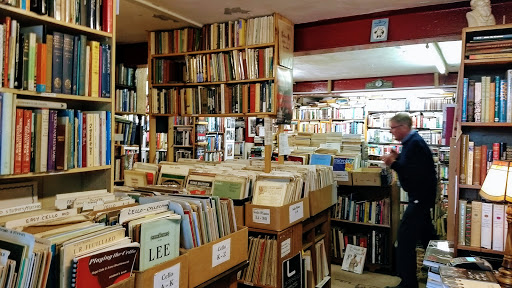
[
  {"x": 296, "y": 211},
  {"x": 261, "y": 216},
  {"x": 168, "y": 278},
  {"x": 221, "y": 252},
  {"x": 286, "y": 247}
]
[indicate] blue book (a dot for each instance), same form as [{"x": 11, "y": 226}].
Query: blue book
[
  {"x": 58, "y": 41},
  {"x": 105, "y": 71},
  {"x": 78, "y": 114},
  {"x": 503, "y": 100},
  {"x": 134, "y": 130},
  {"x": 109, "y": 138},
  {"x": 75, "y": 67},
  {"x": 71, "y": 152},
  {"x": 465, "y": 88},
  {"x": 321, "y": 159},
  {"x": 67, "y": 64},
  {"x": 497, "y": 99},
  {"x": 81, "y": 64},
  {"x": 6, "y": 140}
]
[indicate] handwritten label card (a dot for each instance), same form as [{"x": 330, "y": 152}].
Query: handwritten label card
[
  {"x": 286, "y": 247},
  {"x": 168, "y": 278},
  {"x": 261, "y": 216},
  {"x": 340, "y": 175},
  {"x": 221, "y": 252},
  {"x": 296, "y": 211}
]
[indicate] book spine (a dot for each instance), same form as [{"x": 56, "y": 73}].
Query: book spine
[
  {"x": 18, "y": 142},
  {"x": 6, "y": 133},
  {"x": 467, "y": 238},
  {"x": 107, "y": 16},
  {"x": 76, "y": 65},
  {"x": 498, "y": 223},
  {"x": 465, "y": 88},
  {"x": 41, "y": 67},
  {"x": 486, "y": 231},
  {"x": 478, "y": 102},
  {"x": 60, "y": 145},
  {"x": 52, "y": 139},
  {"x": 109, "y": 137},
  {"x": 33, "y": 143},
  {"x": 95, "y": 69},
  {"x": 32, "y": 50},
  {"x": 471, "y": 102},
  {"x": 24, "y": 80},
  {"x": 483, "y": 163},
  {"x": 27, "y": 141},
  {"x": 42, "y": 148},
  {"x": 462, "y": 222},
  {"x": 18, "y": 83},
  {"x": 503, "y": 100},
  {"x": 83, "y": 63},
  {"x": 67, "y": 64},
  {"x": 495, "y": 151},
  {"x": 57, "y": 60},
  {"x": 509, "y": 94},
  {"x": 49, "y": 59},
  {"x": 492, "y": 37},
  {"x": 469, "y": 163},
  {"x": 105, "y": 71},
  {"x": 71, "y": 138},
  {"x": 476, "y": 222},
  {"x": 84, "y": 139}
]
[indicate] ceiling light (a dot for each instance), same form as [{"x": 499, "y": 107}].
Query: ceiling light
[{"x": 437, "y": 57}]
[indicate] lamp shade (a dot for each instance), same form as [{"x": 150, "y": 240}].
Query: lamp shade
[{"x": 495, "y": 185}]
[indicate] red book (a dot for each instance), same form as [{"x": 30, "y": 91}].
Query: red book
[
  {"x": 41, "y": 68},
  {"x": 483, "y": 164},
  {"x": 252, "y": 98},
  {"x": 107, "y": 16},
  {"x": 495, "y": 151},
  {"x": 18, "y": 141},
  {"x": 261, "y": 63},
  {"x": 84, "y": 140},
  {"x": 27, "y": 141}
]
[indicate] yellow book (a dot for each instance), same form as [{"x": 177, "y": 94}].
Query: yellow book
[
  {"x": 464, "y": 143},
  {"x": 476, "y": 223},
  {"x": 491, "y": 103},
  {"x": 95, "y": 68}
]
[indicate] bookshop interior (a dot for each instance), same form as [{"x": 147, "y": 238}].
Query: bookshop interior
[{"x": 150, "y": 143}]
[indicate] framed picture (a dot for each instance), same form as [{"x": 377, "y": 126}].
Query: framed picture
[
  {"x": 251, "y": 123},
  {"x": 285, "y": 43},
  {"x": 284, "y": 95}
]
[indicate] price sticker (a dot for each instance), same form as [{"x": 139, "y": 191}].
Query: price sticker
[
  {"x": 261, "y": 216},
  {"x": 221, "y": 252},
  {"x": 296, "y": 211},
  {"x": 168, "y": 278},
  {"x": 286, "y": 247}
]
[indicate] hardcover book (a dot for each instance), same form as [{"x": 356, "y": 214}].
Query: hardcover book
[
  {"x": 67, "y": 64},
  {"x": 353, "y": 260},
  {"x": 57, "y": 58},
  {"x": 438, "y": 252},
  {"x": 160, "y": 241}
]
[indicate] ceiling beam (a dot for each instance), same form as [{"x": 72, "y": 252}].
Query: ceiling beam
[{"x": 167, "y": 12}]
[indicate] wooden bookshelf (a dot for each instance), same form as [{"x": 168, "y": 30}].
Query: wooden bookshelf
[
  {"x": 264, "y": 45},
  {"x": 76, "y": 179},
  {"x": 480, "y": 249},
  {"x": 360, "y": 223}
]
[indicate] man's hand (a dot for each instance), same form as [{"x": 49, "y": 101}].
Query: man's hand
[{"x": 390, "y": 158}]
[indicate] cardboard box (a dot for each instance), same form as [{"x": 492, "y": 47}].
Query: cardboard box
[
  {"x": 126, "y": 283},
  {"x": 239, "y": 207},
  {"x": 211, "y": 259},
  {"x": 276, "y": 218},
  {"x": 348, "y": 181},
  {"x": 366, "y": 177},
  {"x": 175, "y": 270},
  {"x": 321, "y": 199}
]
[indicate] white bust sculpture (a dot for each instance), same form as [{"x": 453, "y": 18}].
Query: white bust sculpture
[{"x": 480, "y": 14}]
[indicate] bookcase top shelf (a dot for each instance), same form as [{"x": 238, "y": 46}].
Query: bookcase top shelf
[
  {"x": 55, "y": 96},
  {"x": 211, "y": 83},
  {"x": 480, "y": 62},
  {"x": 213, "y": 51},
  {"x": 129, "y": 113},
  {"x": 480, "y": 124},
  {"x": 32, "y": 18},
  {"x": 44, "y": 174}
]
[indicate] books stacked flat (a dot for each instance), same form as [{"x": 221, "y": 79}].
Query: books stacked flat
[
  {"x": 437, "y": 254},
  {"x": 317, "y": 139},
  {"x": 303, "y": 139},
  {"x": 453, "y": 277}
]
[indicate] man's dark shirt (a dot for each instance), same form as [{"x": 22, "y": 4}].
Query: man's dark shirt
[{"x": 416, "y": 170}]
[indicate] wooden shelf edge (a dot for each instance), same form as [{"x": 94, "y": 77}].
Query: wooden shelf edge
[
  {"x": 47, "y": 19},
  {"x": 466, "y": 186},
  {"x": 53, "y": 173},
  {"x": 211, "y": 83},
  {"x": 480, "y": 249},
  {"x": 486, "y": 124},
  {"x": 129, "y": 113},
  {"x": 213, "y": 51},
  {"x": 360, "y": 223},
  {"x": 55, "y": 95}
]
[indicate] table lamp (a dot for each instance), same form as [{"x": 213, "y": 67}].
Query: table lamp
[{"x": 498, "y": 187}]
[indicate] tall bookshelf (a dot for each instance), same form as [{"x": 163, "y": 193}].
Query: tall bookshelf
[
  {"x": 71, "y": 179},
  {"x": 483, "y": 132},
  {"x": 202, "y": 74}
]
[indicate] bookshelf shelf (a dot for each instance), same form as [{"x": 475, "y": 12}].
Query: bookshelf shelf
[
  {"x": 183, "y": 125},
  {"x": 213, "y": 51},
  {"x": 54, "y": 95},
  {"x": 122, "y": 86},
  {"x": 161, "y": 115},
  {"x": 478, "y": 124},
  {"x": 31, "y": 17},
  {"x": 465, "y": 186},
  {"x": 212, "y": 83},
  {"x": 496, "y": 61},
  {"x": 54, "y": 173},
  {"x": 129, "y": 113},
  {"x": 183, "y": 146},
  {"x": 479, "y": 249},
  {"x": 360, "y": 223}
]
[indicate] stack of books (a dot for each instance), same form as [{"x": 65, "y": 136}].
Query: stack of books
[{"x": 438, "y": 253}]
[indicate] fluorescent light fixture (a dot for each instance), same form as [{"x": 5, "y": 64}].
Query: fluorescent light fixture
[{"x": 436, "y": 55}]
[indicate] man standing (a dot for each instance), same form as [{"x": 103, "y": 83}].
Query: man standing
[{"x": 417, "y": 175}]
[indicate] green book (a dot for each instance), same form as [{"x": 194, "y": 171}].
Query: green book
[
  {"x": 159, "y": 241},
  {"x": 227, "y": 186}
]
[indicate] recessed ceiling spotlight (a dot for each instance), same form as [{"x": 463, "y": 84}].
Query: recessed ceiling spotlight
[{"x": 234, "y": 10}]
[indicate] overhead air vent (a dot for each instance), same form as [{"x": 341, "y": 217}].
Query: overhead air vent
[
  {"x": 164, "y": 18},
  {"x": 235, "y": 10}
]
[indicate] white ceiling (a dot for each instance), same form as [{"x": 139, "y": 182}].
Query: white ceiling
[{"x": 136, "y": 17}]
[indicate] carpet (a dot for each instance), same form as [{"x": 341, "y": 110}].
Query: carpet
[{"x": 344, "y": 279}]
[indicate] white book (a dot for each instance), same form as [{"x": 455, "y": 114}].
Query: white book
[
  {"x": 478, "y": 102},
  {"x": 469, "y": 165},
  {"x": 32, "y": 46},
  {"x": 45, "y": 122},
  {"x": 90, "y": 140},
  {"x": 40, "y": 104},
  {"x": 12, "y": 52},
  {"x": 462, "y": 222},
  {"x": 97, "y": 140},
  {"x": 498, "y": 223},
  {"x": 7, "y": 133},
  {"x": 484, "y": 110},
  {"x": 2, "y": 28},
  {"x": 486, "y": 237}
]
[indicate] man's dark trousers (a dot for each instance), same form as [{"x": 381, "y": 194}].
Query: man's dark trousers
[{"x": 416, "y": 225}]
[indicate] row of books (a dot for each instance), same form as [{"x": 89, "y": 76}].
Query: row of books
[
  {"x": 486, "y": 101},
  {"x": 374, "y": 212},
  {"x": 262, "y": 269},
  {"x": 419, "y": 120},
  {"x": 56, "y": 63},
  {"x": 323, "y": 113},
  {"x": 45, "y": 139},
  {"x": 475, "y": 161},
  {"x": 125, "y": 131},
  {"x": 355, "y": 128},
  {"x": 374, "y": 241},
  {"x": 126, "y": 100},
  {"x": 380, "y": 150},
  {"x": 407, "y": 104},
  {"x": 124, "y": 161},
  {"x": 125, "y": 75},
  {"x": 288, "y": 183},
  {"x": 214, "y": 142},
  {"x": 183, "y": 136},
  {"x": 214, "y": 36},
  {"x": 95, "y": 15},
  {"x": 482, "y": 225},
  {"x": 489, "y": 49},
  {"x": 214, "y": 99}
]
